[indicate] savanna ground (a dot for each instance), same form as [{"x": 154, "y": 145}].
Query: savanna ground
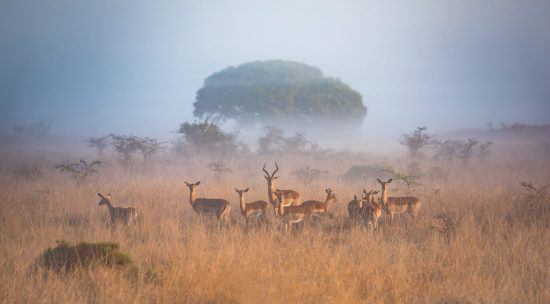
[{"x": 490, "y": 245}]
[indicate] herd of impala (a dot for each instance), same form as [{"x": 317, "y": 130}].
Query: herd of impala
[{"x": 287, "y": 204}]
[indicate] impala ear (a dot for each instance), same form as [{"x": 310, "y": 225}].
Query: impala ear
[
  {"x": 355, "y": 197},
  {"x": 109, "y": 195},
  {"x": 375, "y": 192},
  {"x": 365, "y": 191},
  {"x": 379, "y": 180},
  {"x": 236, "y": 190},
  {"x": 100, "y": 195},
  {"x": 389, "y": 180},
  {"x": 197, "y": 183},
  {"x": 246, "y": 190},
  {"x": 276, "y": 177}
]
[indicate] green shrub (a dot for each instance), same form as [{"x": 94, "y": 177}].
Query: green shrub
[{"x": 65, "y": 257}]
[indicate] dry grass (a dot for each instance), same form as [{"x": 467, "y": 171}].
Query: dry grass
[{"x": 482, "y": 256}]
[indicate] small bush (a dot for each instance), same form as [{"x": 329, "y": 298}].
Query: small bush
[{"x": 66, "y": 258}]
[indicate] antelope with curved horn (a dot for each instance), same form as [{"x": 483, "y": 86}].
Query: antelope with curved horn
[
  {"x": 291, "y": 197},
  {"x": 402, "y": 204},
  {"x": 290, "y": 215},
  {"x": 208, "y": 206},
  {"x": 122, "y": 215},
  {"x": 320, "y": 208},
  {"x": 251, "y": 210}
]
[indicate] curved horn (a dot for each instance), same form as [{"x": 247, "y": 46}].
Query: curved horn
[
  {"x": 276, "y": 169},
  {"x": 265, "y": 170}
]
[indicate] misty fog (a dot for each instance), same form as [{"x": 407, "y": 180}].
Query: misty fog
[{"x": 92, "y": 68}]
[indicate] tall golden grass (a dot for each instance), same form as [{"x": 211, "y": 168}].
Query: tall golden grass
[{"x": 471, "y": 243}]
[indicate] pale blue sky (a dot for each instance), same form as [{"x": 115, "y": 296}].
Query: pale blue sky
[{"x": 94, "y": 67}]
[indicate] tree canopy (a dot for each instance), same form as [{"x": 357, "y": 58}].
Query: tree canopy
[{"x": 269, "y": 92}]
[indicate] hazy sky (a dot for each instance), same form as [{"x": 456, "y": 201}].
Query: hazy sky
[{"x": 95, "y": 67}]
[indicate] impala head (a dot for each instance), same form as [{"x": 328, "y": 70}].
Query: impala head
[
  {"x": 192, "y": 186},
  {"x": 241, "y": 193},
  {"x": 369, "y": 196},
  {"x": 384, "y": 184},
  {"x": 331, "y": 196},
  {"x": 270, "y": 177},
  {"x": 105, "y": 199}
]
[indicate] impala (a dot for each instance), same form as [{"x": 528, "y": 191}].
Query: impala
[
  {"x": 393, "y": 205},
  {"x": 208, "y": 206},
  {"x": 290, "y": 215},
  {"x": 291, "y": 197},
  {"x": 355, "y": 206},
  {"x": 320, "y": 208},
  {"x": 371, "y": 211},
  {"x": 125, "y": 216},
  {"x": 251, "y": 210}
]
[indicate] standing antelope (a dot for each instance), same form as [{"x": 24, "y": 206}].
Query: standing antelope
[
  {"x": 393, "y": 205},
  {"x": 355, "y": 206},
  {"x": 121, "y": 215},
  {"x": 372, "y": 211},
  {"x": 291, "y": 197},
  {"x": 251, "y": 210},
  {"x": 290, "y": 215},
  {"x": 208, "y": 206},
  {"x": 320, "y": 208}
]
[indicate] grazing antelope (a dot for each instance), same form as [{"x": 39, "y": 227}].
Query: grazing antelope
[
  {"x": 120, "y": 215},
  {"x": 393, "y": 205},
  {"x": 320, "y": 208},
  {"x": 290, "y": 215},
  {"x": 355, "y": 206},
  {"x": 371, "y": 211},
  {"x": 291, "y": 197},
  {"x": 208, "y": 206},
  {"x": 255, "y": 209}
]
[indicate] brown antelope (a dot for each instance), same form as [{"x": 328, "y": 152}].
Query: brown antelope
[
  {"x": 290, "y": 215},
  {"x": 208, "y": 206},
  {"x": 393, "y": 205},
  {"x": 372, "y": 210},
  {"x": 355, "y": 206},
  {"x": 255, "y": 209},
  {"x": 320, "y": 208},
  {"x": 120, "y": 215},
  {"x": 291, "y": 197}
]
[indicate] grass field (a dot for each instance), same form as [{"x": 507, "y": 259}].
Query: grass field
[{"x": 490, "y": 243}]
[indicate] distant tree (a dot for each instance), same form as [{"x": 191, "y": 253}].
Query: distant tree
[
  {"x": 34, "y": 131},
  {"x": 484, "y": 150},
  {"x": 80, "y": 171},
  {"x": 296, "y": 143},
  {"x": 148, "y": 147},
  {"x": 208, "y": 137},
  {"x": 309, "y": 175},
  {"x": 125, "y": 145},
  {"x": 411, "y": 177},
  {"x": 446, "y": 150},
  {"x": 268, "y": 92},
  {"x": 417, "y": 140},
  {"x": 219, "y": 168},
  {"x": 467, "y": 149},
  {"x": 29, "y": 173},
  {"x": 271, "y": 141},
  {"x": 99, "y": 143},
  {"x": 364, "y": 172}
]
